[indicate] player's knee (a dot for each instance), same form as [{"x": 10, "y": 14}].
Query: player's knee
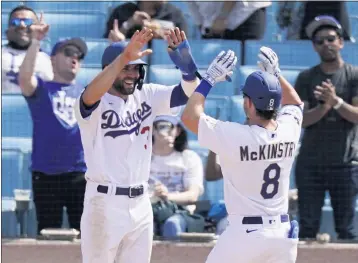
[{"x": 173, "y": 226}]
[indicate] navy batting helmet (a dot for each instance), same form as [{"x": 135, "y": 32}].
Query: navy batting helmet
[
  {"x": 264, "y": 90},
  {"x": 114, "y": 50}
]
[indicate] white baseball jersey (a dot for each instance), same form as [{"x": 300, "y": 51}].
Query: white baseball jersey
[
  {"x": 11, "y": 62},
  {"x": 117, "y": 136},
  {"x": 255, "y": 162}
]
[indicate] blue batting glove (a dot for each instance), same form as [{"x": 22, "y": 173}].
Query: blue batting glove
[
  {"x": 294, "y": 230},
  {"x": 183, "y": 59}
]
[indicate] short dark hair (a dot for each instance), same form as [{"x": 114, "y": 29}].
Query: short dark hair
[
  {"x": 181, "y": 141},
  {"x": 267, "y": 114},
  {"x": 20, "y": 8},
  {"x": 339, "y": 32}
]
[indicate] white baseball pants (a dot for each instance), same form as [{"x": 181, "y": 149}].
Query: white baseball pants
[
  {"x": 116, "y": 228},
  {"x": 255, "y": 243}
]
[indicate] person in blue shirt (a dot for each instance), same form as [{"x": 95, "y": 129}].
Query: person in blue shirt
[{"x": 58, "y": 164}]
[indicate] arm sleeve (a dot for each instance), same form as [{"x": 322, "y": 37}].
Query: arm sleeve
[
  {"x": 85, "y": 114},
  {"x": 292, "y": 114},
  {"x": 195, "y": 172}
]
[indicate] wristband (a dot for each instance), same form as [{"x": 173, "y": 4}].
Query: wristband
[
  {"x": 204, "y": 88},
  {"x": 339, "y": 104}
]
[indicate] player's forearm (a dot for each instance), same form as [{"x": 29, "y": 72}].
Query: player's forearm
[
  {"x": 26, "y": 78},
  {"x": 195, "y": 107},
  {"x": 349, "y": 112},
  {"x": 103, "y": 81},
  {"x": 226, "y": 9},
  {"x": 313, "y": 115},
  {"x": 289, "y": 94},
  {"x": 184, "y": 198}
]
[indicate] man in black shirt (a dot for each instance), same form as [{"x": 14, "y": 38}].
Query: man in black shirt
[
  {"x": 132, "y": 16},
  {"x": 328, "y": 158}
]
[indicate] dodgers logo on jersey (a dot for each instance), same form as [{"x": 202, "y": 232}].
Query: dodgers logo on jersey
[
  {"x": 131, "y": 123},
  {"x": 63, "y": 107}
]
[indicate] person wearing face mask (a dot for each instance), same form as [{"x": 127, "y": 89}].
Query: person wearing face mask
[
  {"x": 176, "y": 173},
  {"x": 328, "y": 156},
  {"x": 58, "y": 164},
  {"x": 19, "y": 36}
]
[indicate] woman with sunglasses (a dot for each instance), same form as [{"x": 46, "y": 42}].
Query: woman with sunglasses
[{"x": 176, "y": 173}]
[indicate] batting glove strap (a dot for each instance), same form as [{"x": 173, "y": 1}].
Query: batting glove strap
[{"x": 183, "y": 60}]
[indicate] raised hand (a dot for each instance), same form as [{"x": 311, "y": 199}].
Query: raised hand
[
  {"x": 115, "y": 35},
  {"x": 180, "y": 53},
  {"x": 40, "y": 29},
  {"x": 268, "y": 61},
  {"x": 139, "y": 39},
  {"x": 221, "y": 68}
]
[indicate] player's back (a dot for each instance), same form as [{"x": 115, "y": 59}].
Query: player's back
[{"x": 256, "y": 164}]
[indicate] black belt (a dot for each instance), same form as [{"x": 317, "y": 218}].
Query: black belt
[
  {"x": 255, "y": 220},
  {"x": 131, "y": 192}
]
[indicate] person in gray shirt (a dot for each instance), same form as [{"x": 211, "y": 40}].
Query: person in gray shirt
[{"x": 328, "y": 158}]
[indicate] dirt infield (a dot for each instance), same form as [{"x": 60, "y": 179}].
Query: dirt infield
[{"x": 32, "y": 251}]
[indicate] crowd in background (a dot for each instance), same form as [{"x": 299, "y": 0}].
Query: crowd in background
[{"x": 328, "y": 158}]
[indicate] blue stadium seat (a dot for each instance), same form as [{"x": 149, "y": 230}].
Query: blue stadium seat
[
  {"x": 290, "y": 73},
  {"x": 96, "y": 47},
  {"x": 237, "y": 113},
  {"x": 169, "y": 75},
  {"x": 204, "y": 50},
  {"x": 290, "y": 53},
  {"x": 101, "y": 6},
  {"x": 87, "y": 74},
  {"x": 12, "y": 171},
  {"x": 16, "y": 119},
  {"x": 75, "y": 24},
  {"x": 350, "y": 52}
]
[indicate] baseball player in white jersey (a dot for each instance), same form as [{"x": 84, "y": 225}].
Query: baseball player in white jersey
[
  {"x": 256, "y": 160},
  {"x": 115, "y": 115}
]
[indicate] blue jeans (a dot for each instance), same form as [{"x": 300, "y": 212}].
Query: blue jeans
[{"x": 173, "y": 226}]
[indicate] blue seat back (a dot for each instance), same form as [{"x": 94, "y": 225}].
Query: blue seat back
[
  {"x": 16, "y": 119},
  {"x": 101, "y": 6},
  {"x": 87, "y": 74}
]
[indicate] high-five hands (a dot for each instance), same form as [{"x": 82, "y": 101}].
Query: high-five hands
[
  {"x": 268, "y": 61},
  {"x": 133, "y": 50},
  {"x": 221, "y": 68}
]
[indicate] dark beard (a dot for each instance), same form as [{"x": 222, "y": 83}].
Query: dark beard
[
  {"x": 16, "y": 46},
  {"x": 120, "y": 88}
]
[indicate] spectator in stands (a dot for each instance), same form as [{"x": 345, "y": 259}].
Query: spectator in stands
[
  {"x": 58, "y": 164},
  {"x": 176, "y": 173},
  {"x": 295, "y": 16},
  {"x": 328, "y": 157},
  {"x": 19, "y": 38},
  {"x": 240, "y": 20},
  {"x": 157, "y": 15}
]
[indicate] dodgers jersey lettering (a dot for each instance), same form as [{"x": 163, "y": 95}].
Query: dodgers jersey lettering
[
  {"x": 256, "y": 163},
  {"x": 117, "y": 134},
  {"x": 57, "y": 146}
]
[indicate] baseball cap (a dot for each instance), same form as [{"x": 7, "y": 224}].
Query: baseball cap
[
  {"x": 114, "y": 50},
  {"x": 168, "y": 118},
  {"x": 78, "y": 42},
  {"x": 321, "y": 21},
  {"x": 264, "y": 90}
]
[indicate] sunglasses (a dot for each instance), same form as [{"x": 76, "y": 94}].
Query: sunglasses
[
  {"x": 72, "y": 52},
  {"x": 320, "y": 40},
  {"x": 163, "y": 126},
  {"x": 17, "y": 21}
]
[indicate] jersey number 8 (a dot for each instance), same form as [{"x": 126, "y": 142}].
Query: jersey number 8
[{"x": 270, "y": 181}]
